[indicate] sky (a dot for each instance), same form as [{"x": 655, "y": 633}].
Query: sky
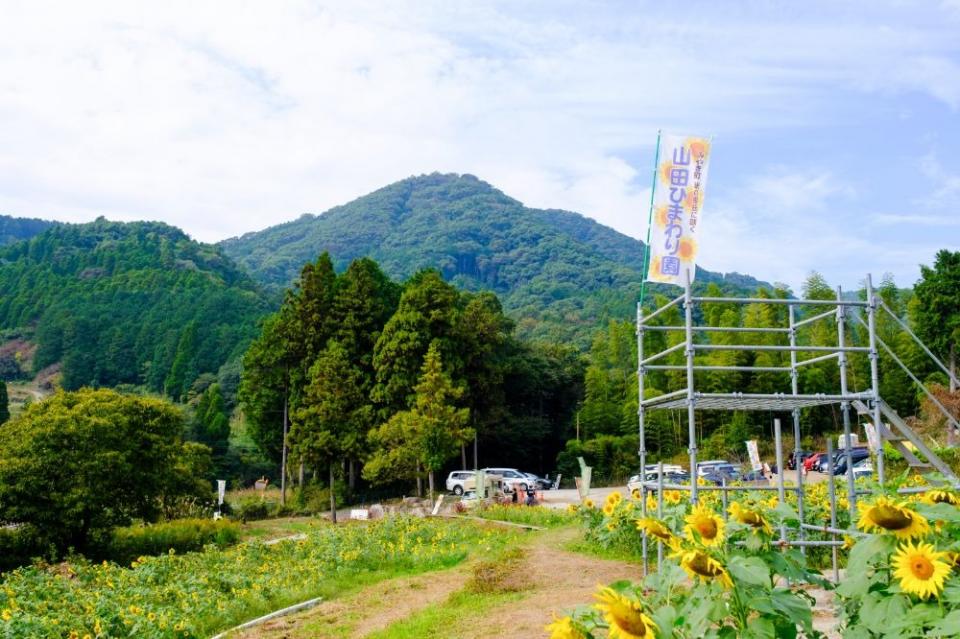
[{"x": 836, "y": 124}]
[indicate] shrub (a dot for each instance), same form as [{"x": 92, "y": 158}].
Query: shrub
[
  {"x": 18, "y": 547},
  {"x": 182, "y": 535}
]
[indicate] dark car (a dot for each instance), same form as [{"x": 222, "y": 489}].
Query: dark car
[
  {"x": 722, "y": 472},
  {"x": 840, "y": 459},
  {"x": 792, "y": 459}
]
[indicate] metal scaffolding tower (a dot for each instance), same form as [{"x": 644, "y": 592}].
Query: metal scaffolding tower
[{"x": 867, "y": 402}]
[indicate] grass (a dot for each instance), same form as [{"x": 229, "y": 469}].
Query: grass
[
  {"x": 494, "y": 582},
  {"x": 616, "y": 553},
  {"x": 266, "y": 529},
  {"x": 528, "y": 515},
  {"x": 436, "y": 621}
]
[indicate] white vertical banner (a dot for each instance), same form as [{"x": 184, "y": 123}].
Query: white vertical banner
[
  {"x": 679, "y": 186},
  {"x": 221, "y": 490},
  {"x": 754, "y": 454}
]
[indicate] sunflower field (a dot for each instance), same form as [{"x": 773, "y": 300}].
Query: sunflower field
[
  {"x": 196, "y": 594},
  {"x": 724, "y": 574}
]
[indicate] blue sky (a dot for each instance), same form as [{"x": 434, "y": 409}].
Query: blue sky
[{"x": 836, "y": 123}]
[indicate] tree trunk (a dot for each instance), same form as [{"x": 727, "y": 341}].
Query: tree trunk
[
  {"x": 475, "y": 466},
  {"x": 353, "y": 476},
  {"x": 419, "y": 482},
  {"x": 283, "y": 456},
  {"x": 463, "y": 455},
  {"x": 953, "y": 368},
  {"x": 333, "y": 497},
  {"x": 300, "y": 475},
  {"x": 430, "y": 481}
]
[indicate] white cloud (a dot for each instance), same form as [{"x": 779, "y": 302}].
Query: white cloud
[{"x": 229, "y": 118}]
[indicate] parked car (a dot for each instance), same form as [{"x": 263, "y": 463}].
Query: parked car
[
  {"x": 513, "y": 479},
  {"x": 706, "y": 467},
  {"x": 754, "y": 476},
  {"x": 863, "y": 468},
  {"x": 541, "y": 483},
  {"x": 793, "y": 457},
  {"x": 673, "y": 477},
  {"x": 720, "y": 472},
  {"x": 456, "y": 481},
  {"x": 856, "y": 455}
]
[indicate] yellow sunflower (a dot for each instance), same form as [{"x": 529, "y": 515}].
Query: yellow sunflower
[
  {"x": 651, "y": 503},
  {"x": 572, "y": 508},
  {"x": 608, "y": 509},
  {"x": 614, "y": 497},
  {"x": 751, "y": 518},
  {"x": 624, "y": 616},
  {"x": 672, "y": 497},
  {"x": 588, "y": 503},
  {"x": 611, "y": 526},
  {"x": 699, "y": 564},
  {"x": 940, "y": 497},
  {"x": 920, "y": 569},
  {"x": 707, "y": 526},
  {"x": 658, "y": 530},
  {"x": 635, "y": 493},
  {"x": 563, "y": 628},
  {"x": 885, "y": 515}
]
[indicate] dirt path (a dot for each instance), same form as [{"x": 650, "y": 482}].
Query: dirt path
[{"x": 558, "y": 579}]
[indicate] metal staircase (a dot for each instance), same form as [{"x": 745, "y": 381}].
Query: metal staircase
[{"x": 902, "y": 433}]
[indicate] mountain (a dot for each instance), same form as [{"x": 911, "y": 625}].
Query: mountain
[
  {"x": 558, "y": 273},
  {"x": 15, "y": 229},
  {"x": 138, "y": 303}
]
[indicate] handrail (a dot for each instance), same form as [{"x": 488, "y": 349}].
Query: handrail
[
  {"x": 813, "y": 319},
  {"x": 926, "y": 350},
  {"x": 720, "y": 329},
  {"x": 642, "y": 320},
  {"x": 767, "y": 347},
  {"x": 663, "y": 353},
  {"x": 778, "y": 300},
  {"x": 916, "y": 381}
]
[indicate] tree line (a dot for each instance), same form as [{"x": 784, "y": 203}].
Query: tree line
[{"x": 360, "y": 377}]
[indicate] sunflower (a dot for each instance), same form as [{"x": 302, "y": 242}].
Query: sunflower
[
  {"x": 624, "y": 616},
  {"x": 699, "y": 564},
  {"x": 614, "y": 497},
  {"x": 672, "y": 497},
  {"x": 608, "y": 509},
  {"x": 920, "y": 569},
  {"x": 651, "y": 503},
  {"x": 563, "y": 628},
  {"x": 659, "y": 530},
  {"x": 635, "y": 493},
  {"x": 611, "y": 526},
  {"x": 707, "y": 526},
  {"x": 588, "y": 503},
  {"x": 751, "y": 518},
  {"x": 572, "y": 508},
  {"x": 940, "y": 497},
  {"x": 886, "y": 515}
]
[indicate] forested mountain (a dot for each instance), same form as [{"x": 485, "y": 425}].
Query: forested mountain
[
  {"x": 138, "y": 303},
  {"x": 558, "y": 273},
  {"x": 15, "y": 229}
]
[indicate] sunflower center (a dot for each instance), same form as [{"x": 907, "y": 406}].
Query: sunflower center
[
  {"x": 707, "y": 528},
  {"x": 700, "y": 564},
  {"x": 631, "y": 621},
  {"x": 891, "y": 518},
  {"x": 921, "y": 567}
]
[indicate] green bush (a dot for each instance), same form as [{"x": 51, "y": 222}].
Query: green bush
[
  {"x": 18, "y": 547},
  {"x": 182, "y": 535}
]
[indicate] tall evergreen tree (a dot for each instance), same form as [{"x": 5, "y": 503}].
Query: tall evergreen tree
[
  {"x": 328, "y": 426},
  {"x": 429, "y": 432},
  {"x": 427, "y": 313}
]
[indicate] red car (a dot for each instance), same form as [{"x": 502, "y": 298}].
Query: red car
[{"x": 813, "y": 460}]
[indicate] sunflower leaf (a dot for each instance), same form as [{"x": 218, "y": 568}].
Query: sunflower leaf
[
  {"x": 868, "y": 550},
  {"x": 949, "y": 626},
  {"x": 939, "y": 512},
  {"x": 750, "y": 570}
]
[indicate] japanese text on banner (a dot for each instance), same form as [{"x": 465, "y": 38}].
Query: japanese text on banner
[{"x": 679, "y": 186}]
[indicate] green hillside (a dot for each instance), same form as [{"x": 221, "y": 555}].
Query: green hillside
[
  {"x": 558, "y": 273},
  {"x": 138, "y": 303},
  {"x": 15, "y": 229}
]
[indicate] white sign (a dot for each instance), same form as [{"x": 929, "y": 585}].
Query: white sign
[
  {"x": 221, "y": 490},
  {"x": 360, "y": 513},
  {"x": 873, "y": 441},
  {"x": 754, "y": 455}
]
